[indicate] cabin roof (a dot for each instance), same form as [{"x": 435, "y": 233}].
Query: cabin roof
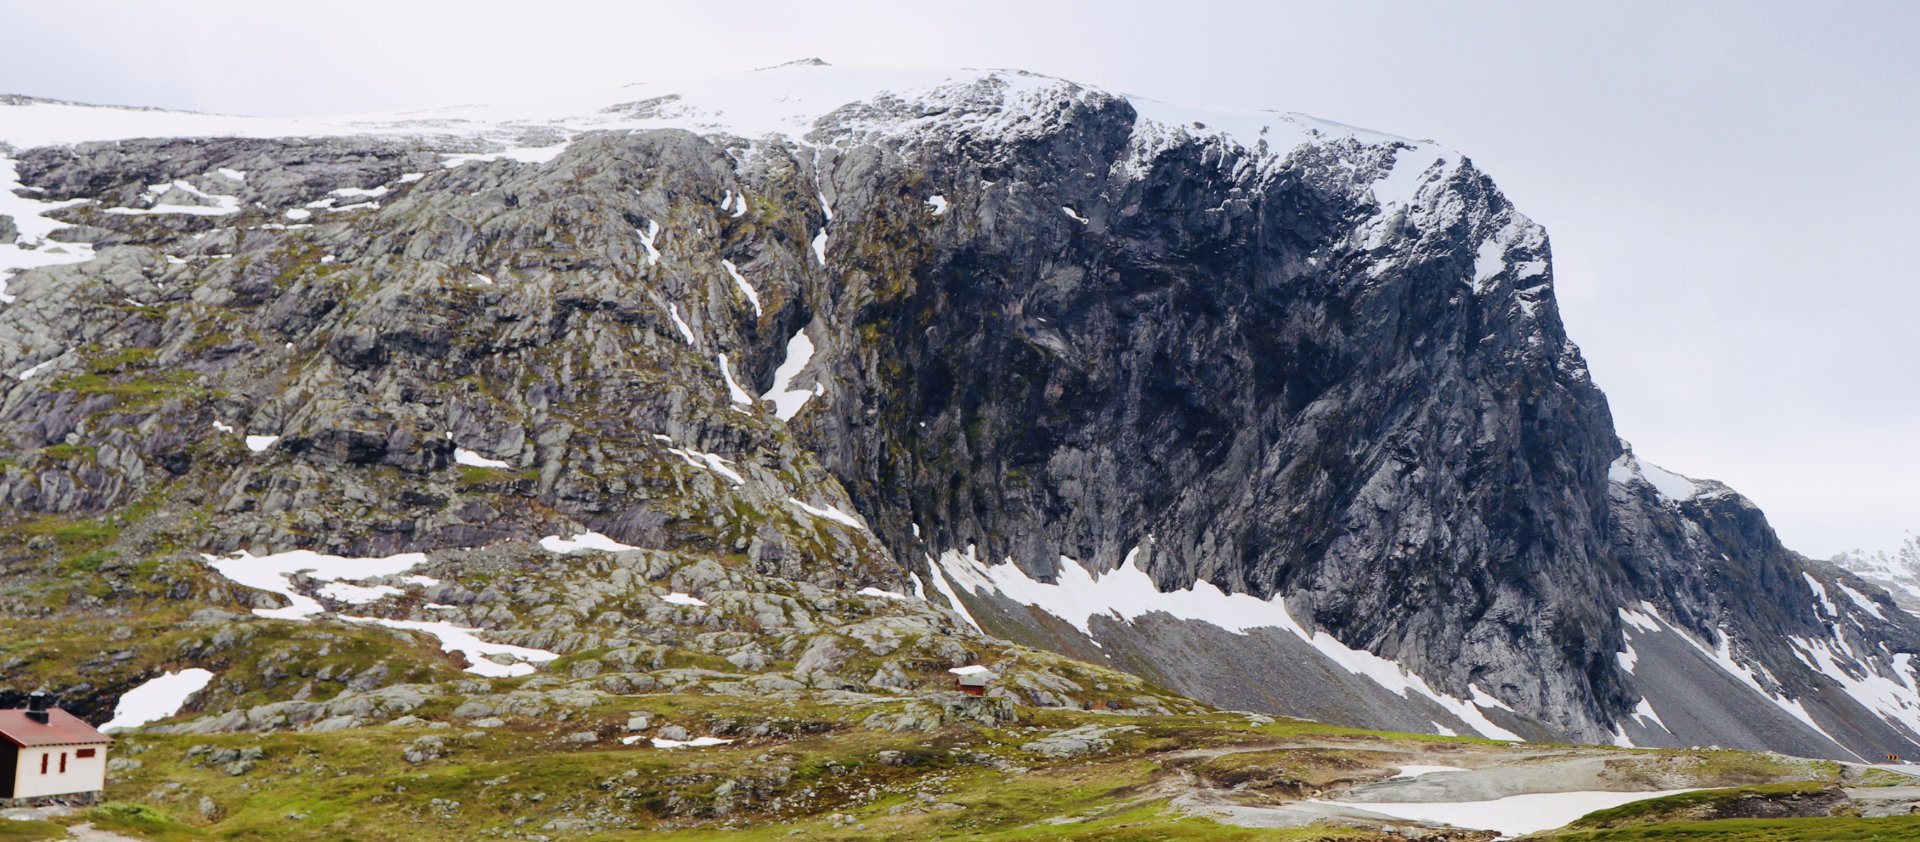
[{"x": 62, "y": 729}]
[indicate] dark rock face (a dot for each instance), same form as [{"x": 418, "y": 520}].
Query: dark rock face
[{"x": 1331, "y": 374}]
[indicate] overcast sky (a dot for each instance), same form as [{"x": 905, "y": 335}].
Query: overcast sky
[{"x": 1729, "y": 186}]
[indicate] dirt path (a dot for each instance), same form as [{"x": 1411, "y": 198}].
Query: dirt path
[
  {"x": 88, "y": 833},
  {"x": 85, "y": 831}
]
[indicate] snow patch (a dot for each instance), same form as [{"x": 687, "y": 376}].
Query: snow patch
[
  {"x": 32, "y": 248},
  {"x": 40, "y": 366},
  {"x": 464, "y": 456},
  {"x": 678, "y": 598},
  {"x": 523, "y": 154},
  {"x": 1645, "y": 713},
  {"x": 939, "y": 204},
  {"x": 157, "y": 699},
  {"x": 734, "y": 392},
  {"x": 274, "y": 573},
  {"x": 946, "y": 589},
  {"x": 696, "y": 742},
  {"x": 259, "y": 444},
  {"x": 1672, "y": 486},
  {"x": 1487, "y": 264},
  {"x": 1074, "y": 215},
  {"x": 673, "y": 310},
  {"x": 787, "y": 400},
  {"x": 583, "y": 541},
  {"x": 1486, "y": 699},
  {"x": 873, "y": 591},
  {"x": 646, "y": 241},
  {"x": 830, "y": 513},
  {"x": 479, "y": 653},
  {"x": 1861, "y": 600},
  {"x": 176, "y": 197},
  {"x": 358, "y": 594},
  {"x": 706, "y": 461},
  {"x": 359, "y": 192},
  {"x": 745, "y": 287},
  {"x": 1820, "y": 591},
  {"x": 820, "y": 247}
]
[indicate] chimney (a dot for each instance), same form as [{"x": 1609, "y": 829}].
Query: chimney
[{"x": 37, "y": 707}]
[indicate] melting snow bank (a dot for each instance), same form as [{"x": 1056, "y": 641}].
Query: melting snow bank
[
  {"x": 1127, "y": 592},
  {"x": 583, "y": 541},
  {"x": 157, "y": 699},
  {"x": 478, "y": 652},
  {"x": 275, "y": 573},
  {"x": 1514, "y": 815},
  {"x": 696, "y": 742}
]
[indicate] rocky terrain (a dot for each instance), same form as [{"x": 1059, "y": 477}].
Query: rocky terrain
[{"x": 803, "y": 387}]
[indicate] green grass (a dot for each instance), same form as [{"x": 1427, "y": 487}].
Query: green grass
[
  {"x": 140, "y": 819},
  {"x": 1762, "y": 830},
  {"x": 1695, "y": 804},
  {"x": 20, "y": 831}
]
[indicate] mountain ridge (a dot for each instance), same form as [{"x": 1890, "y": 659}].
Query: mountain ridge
[{"x": 1297, "y": 358}]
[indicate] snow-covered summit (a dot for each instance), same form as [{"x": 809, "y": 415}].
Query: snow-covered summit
[
  {"x": 791, "y": 100},
  {"x": 1898, "y": 571}
]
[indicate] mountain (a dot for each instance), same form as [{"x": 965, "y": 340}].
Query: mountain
[
  {"x": 1273, "y": 411},
  {"x": 1898, "y": 572}
]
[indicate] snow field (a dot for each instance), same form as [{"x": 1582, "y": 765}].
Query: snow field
[
  {"x": 1515, "y": 815},
  {"x": 1127, "y": 592}
]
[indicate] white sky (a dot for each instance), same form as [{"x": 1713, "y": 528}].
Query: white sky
[{"x": 1729, "y": 185}]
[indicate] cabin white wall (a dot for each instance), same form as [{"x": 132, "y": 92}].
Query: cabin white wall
[{"x": 84, "y": 774}]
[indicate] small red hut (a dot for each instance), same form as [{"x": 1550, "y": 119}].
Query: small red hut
[{"x": 972, "y": 680}]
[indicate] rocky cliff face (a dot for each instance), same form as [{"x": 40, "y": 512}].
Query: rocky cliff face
[{"x": 1275, "y": 411}]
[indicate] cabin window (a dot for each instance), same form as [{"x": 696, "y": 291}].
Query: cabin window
[
  {"x": 63, "y": 763},
  {"x": 83, "y": 754},
  {"x": 43, "y": 762}
]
